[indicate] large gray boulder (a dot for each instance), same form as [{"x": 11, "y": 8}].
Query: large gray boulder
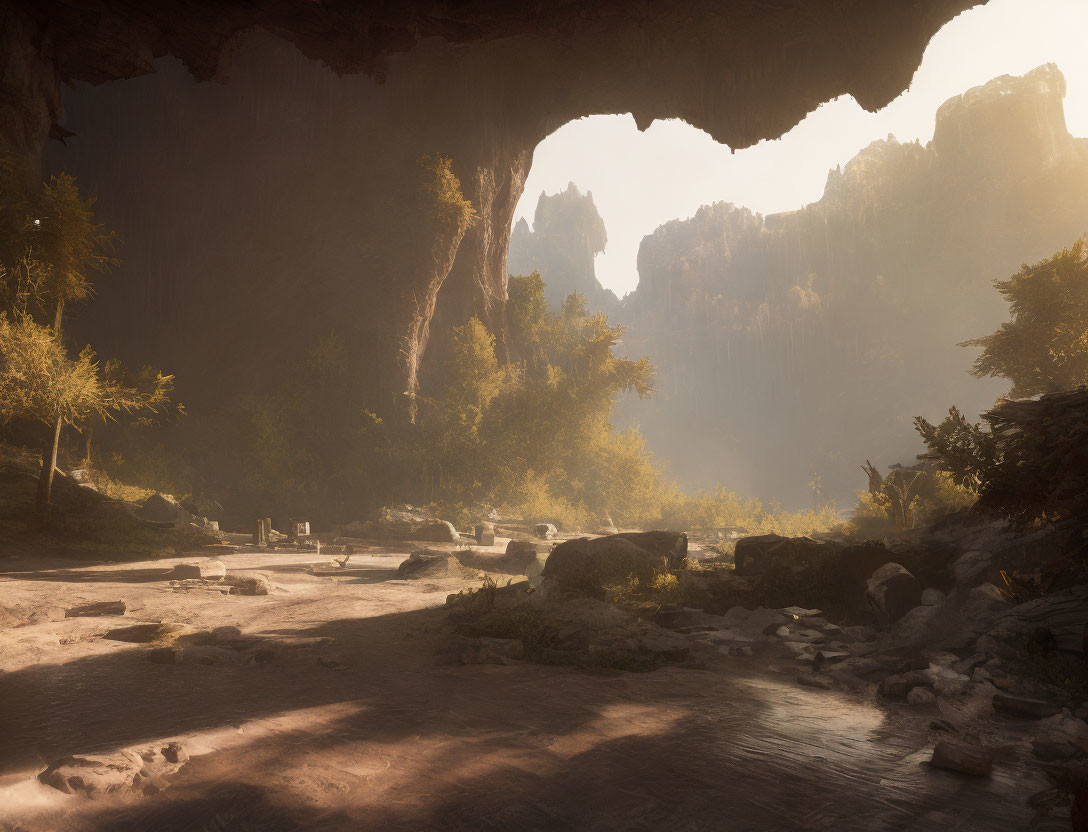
[
  {"x": 1063, "y": 614},
  {"x": 893, "y": 592},
  {"x": 440, "y": 531},
  {"x": 545, "y": 531},
  {"x": 163, "y": 508},
  {"x": 590, "y": 565},
  {"x": 428, "y": 563},
  {"x": 671, "y": 545},
  {"x": 755, "y": 555}
]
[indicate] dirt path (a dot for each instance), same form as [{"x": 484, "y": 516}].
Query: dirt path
[{"x": 354, "y": 723}]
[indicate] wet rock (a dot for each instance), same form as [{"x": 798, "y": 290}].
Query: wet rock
[
  {"x": 974, "y": 760},
  {"x": 915, "y": 626},
  {"x": 484, "y": 534},
  {"x": 439, "y": 531},
  {"x": 491, "y": 650},
  {"x": 255, "y": 584},
  {"x": 591, "y": 566},
  {"x": 93, "y": 775},
  {"x": 1023, "y": 707},
  {"x": 208, "y": 570},
  {"x": 96, "y": 609},
  {"x": 921, "y": 696},
  {"x": 545, "y": 531},
  {"x": 892, "y": 592},
  {"x": 1060, "y": 737}
]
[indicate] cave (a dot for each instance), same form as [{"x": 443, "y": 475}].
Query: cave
[{"x": 239, "y": 113}]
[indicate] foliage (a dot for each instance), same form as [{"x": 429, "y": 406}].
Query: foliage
[
  {"x": 1044, "y": 348},
  {"x": 932, "y": 494},
  {"x": 446, "y": 204},
  {"x": 38, "y": 380},
  {"x": 968, "y": 452}
]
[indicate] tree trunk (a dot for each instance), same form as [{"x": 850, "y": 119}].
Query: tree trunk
[{"x": 45, "y": 479}]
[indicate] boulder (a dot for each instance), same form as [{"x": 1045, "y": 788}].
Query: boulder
[
  {"x": 915, "y": 626},
  {"x": 590, "y": 565},
  {"x": 921, "y": 696},
  {"x": 93, "y": 774},
  {"x": 892, "y": 592},
  {"x": 755, "y": 555},
  {"x": 205, "y": 507},
  {"x": 208, "y": 570},
  {"x": 1060, "y": 737},
  {"x": 1019, "y": 706},
  {"x": 1063, "y": 614},
  {"x": 671, "y": 545},
  {"x": 545, "y": 531},
  {"x": 974, "y": 760},
  {"x": 428, "y": 563},
  {"x": 96, "y": 609},
  {"x": 439, "y": 531},
  {"x": 256, "y": 584},
  {"x": 484, "y": 534},
  {"x": 971, "y": 567},
  {"x": 163, "y": 508},
  {"x": 932, "y": 597}
]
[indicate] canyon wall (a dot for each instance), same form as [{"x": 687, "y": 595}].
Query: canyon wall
[
  {"x": 804, "y": 343},
  {"x": 567, "y": 234}
]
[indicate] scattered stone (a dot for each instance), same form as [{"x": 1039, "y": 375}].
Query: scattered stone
[
  {"x": 208, "y": 570},
  {"x": 545, "y": 531},
  {"x": 932, "y": 597},
  {"x": 1063, "y": 614},
  {"x": 895, "y": 686},
  {"x": 781, "y": 632},
  {"x": 93, "y": 774},
  {"x": 892, "y": 592},
  {"x": 484, "y": 534},
  {"x": 915, "y": 625},
  {"x": 799, "y": 612},
  {"x": 674, "y": 617},
  {"x": 1020, "y": 706},
  {"x": 256, "y": 584},
  {"x": 163, "y": 508},
  {"x": 740, "y": 650},
  {"x": 815, "y": 680},
  {"x": 825, "y": 657},
  {"x": 981, "y": 674},
  {"x": 491, "y": 651},
  {"x": 96, "y": 609},
  {"x": 439, "y": 531},
  {"x": 966, "y": 759},
  {"x": 921, "y": 696},
  {"x": 861, "y": 633}
]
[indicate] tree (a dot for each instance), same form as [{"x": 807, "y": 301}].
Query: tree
[
  {"x": 968, "y": 452},
  {"x": 1044, "y": 348},
  {"x": 38, "y": 381}
]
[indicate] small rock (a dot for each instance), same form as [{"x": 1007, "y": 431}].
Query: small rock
[
  {"x": 249, "y": 584},
  {"x": 484, "y": 534},
  {"x": 966, "y": 759},
  {"x": 96, "y": 609},
  {"x": 980, "y": 674},
  {"x": 331, "y": 664},
  {"x": 263, "y": 655},
  {"x": 830, "y": 656},
  {"x": 799, "y": 612},
  {"x": 971, "y": 567},
  {"x": 545, "y": 531},
  {"x": 208, "y": 570},
  {"x": 921, "y": 696},
  {"x": 814, "y": 680},
  {"x": 895, "y": 686},
  {"x": 226, "y": 633},
  {"x": 440, "y": 531},
  {"x": 781, "y": 632},
  {"x": 892, "y": 591},
  {"x": 1023, "y": 707},
  {"x": 175, "y": 753},
  {"x": 740, "y": 650},
  {"x": 932, "y": 597},
  {"x": 861, "y": 633}
]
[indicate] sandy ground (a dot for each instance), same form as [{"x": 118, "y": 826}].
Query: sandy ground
[{"x": 357, "y": 723}]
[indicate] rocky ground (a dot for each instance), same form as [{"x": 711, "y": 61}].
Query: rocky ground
[{"x": 278, "y": 690}]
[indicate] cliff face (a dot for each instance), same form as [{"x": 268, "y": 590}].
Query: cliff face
[
  {"x": 806, "y": 342},
  {"x": 567, "y": 234},
  {"x": 259, "y": 214}
]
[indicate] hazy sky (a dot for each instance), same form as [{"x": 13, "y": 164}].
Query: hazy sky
[{"x": 641, "y": 180}]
